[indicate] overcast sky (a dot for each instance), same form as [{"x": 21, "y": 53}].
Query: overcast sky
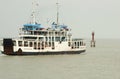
[{"x": 82, "y": 16}]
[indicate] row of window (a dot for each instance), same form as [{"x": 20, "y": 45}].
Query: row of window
[
  {"x": 35, "y": 44},
  {"x": 45, "y": 33},
  {"x": 79, "y": 43},
  {"x": 55, "y": 38},
  {"x": 76, "y": 44},
  {"x": 47, "y": 38}
]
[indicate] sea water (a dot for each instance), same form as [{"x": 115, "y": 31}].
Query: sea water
[{"x": 101, "y": 62}]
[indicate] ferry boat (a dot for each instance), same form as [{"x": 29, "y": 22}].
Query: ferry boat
[{"x": 34, "y": 39}]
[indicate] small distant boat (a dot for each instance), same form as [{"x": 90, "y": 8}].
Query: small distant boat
[{"x": 35, "y": 39}]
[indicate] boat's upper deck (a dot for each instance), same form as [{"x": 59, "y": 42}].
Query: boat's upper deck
[{"x": 38, "y": 29}]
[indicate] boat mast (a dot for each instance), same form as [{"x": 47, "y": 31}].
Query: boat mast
[
  {"x": 57, "y": 13},
  {"x": 34, "y": 5}
]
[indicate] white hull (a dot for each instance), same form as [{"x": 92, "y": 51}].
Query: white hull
[{"x": 59, "y": 48}]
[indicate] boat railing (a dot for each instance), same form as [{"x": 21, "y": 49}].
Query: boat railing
[
  {"x": 44, "y": 34},
  {"x": 77, "y": 42},
  {"x": 77, "y": 39}
]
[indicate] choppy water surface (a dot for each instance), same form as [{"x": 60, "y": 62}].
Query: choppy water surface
[{"x": 101, "y": 62}]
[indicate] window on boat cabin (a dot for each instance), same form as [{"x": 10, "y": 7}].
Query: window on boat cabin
[
  {"x": 41, "y": 38},
  {"x": 30, "y": 44},
  {"x": 14, "y": 42},
  {"x": 49, "y": 43},
  {"x": 19, "y": 43},
  {"x": 75, "y": 44},
  {"x": 25, "y": 43},
  {"x": 80, "y": 43},
  {"x": 69, "y": 43},
  {"x": 63, "y": 33},
  {"x": 56, "y": 33},
  {"x": 33, "y": 38},
  {"x": 49, "y": 33},
  {"x": 63, "y": 39},
  {"x": 35, "y": 45},
  {"x": 52, "y": 33},
  {"x": 59, "y": 33},
  {"x": 57, "y": 38},
  {"x": 46, "y": 38},
  {"x": 38, "y": 45},
  {"x": 36, "y": 32},
  {"x": 52, "y": 38},
  {"x": 42, "y": 33}
]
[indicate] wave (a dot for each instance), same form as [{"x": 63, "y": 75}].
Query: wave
[{"x": 2, "y": 54}]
